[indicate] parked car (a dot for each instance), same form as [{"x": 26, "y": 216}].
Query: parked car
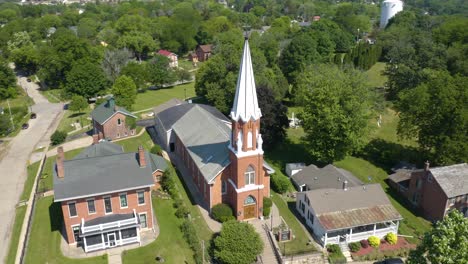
[
  {"x": 33, "y": 115},
  {"x": 391, "y": 261},
  {"x": 25, "y": 126}
]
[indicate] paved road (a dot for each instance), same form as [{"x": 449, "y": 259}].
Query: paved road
[{"x": 13, "y": 164}]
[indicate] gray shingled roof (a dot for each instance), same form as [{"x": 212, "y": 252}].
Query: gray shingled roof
[
  {"x": 107, "y": 109},
  {"x": 103, "y": 148},
  {"x": 360, "y": 205},
  {"x": 172, "y": 102},
  {"x": 157, "y": 163},
  {"x": 452, "y": 179},
  {"x": 326, "y": 177},
  {"x": 99, "y": 175}
]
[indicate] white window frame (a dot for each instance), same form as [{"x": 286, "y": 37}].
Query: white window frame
[
  {"x": 104, "y": 201},
  {"x": 144, "y": 198},
  {"x": 146, "y": 217},
  {"x": 132, "y": 132},
  {"x": 120, "y": 200},
  {"x": 73, "y": 226},
  {"x": 76, "y": 209},
  {"x": 94, "y": 203},
  {"x": 250, "y": 175},
  {"x": 119, "y": 121},
  {"x": 223, "y": 184}
]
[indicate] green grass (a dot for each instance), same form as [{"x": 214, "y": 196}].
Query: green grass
[
  {"x": 300, "y": 243},
  {"x": 152, "y": 98},
  {"x": 188, "y": 65},
  {"x": 375, "y": 75},
  {"x": 44, "y": 243},
  {"x": 170, "y": 243},
  {"x": 21, "y": 102},
  {"x": 70, "y": 118},
  {"x": 131, "y": 144},
  {"x": 28, "y": 184},
  {"x": 53, "y": 95},
  {"x": 19, "y": 219},
  {"x": 413, "y": 224},
  {"x": 388, "y": 129}
]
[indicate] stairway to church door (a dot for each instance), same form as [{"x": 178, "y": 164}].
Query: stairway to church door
[{"x": 249, "y": 211}]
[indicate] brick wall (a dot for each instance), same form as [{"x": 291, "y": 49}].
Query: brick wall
[
  {"x": 111, "y": 129},
  {"x": 82, "y": 209}
]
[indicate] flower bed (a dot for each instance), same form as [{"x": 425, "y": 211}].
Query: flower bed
[{"x": 401, "y": 248}]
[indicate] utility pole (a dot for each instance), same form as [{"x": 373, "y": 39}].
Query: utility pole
[{"x": 11, "y": 117}]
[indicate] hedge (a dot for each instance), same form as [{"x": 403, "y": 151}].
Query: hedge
[
  {"x": 190, "y": 235},
  {"x": 354, "y": 246},
  {"x": 267, "y": 204},
  {"x": 380, "y": 255},
  {"x": 374, "y": 241},
  {"x": 279, "y": 183},
  {"x": 222, "y": 212},
  {"x": 335, "y": 256}
]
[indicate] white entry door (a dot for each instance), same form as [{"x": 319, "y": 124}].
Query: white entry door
[{"x": 111, "y": 239}]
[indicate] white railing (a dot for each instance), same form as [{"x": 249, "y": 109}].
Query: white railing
[
  {"x": 129, "y": 240},
  {"x": 354, "y": 237},
  {"x": 100, "y": 227},
  {"x": 95, "y": 247}
]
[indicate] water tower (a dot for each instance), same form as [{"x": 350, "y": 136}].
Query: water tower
[{"x": 389, "y": 9}]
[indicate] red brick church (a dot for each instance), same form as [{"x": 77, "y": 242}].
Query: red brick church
[{"x": 224, "y": 157}]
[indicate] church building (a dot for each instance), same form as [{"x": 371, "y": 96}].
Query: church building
[{"x": 223, "y": 157}]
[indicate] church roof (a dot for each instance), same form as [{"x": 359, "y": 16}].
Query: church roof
[{"x": 245, "y": 103}]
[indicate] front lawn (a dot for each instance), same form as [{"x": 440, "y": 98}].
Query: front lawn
[
  {"x": 300, "y": 244},
  {"x": 28, "y": 184},
  {"x": 45, "y": 239},
  {"x": 375, "y": 77},
  {"x": 132, "y": 144},
  {"x": 170, "y": 243},
  {"x": 70, "y": 118},
  {"x": 15, "y": 234},
  {"x": 153, "y": 98}
]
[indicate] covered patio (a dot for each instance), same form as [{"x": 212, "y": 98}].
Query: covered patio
[{"x": 359, "y": 233}]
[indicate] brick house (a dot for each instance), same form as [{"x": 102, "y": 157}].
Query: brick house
[
  {"x": 173, "y": 62},
  {"x": 105, "y": 195},
  {"x": 110, "y": 120},
  {"x": 224, "y": 158},
  {"x": 204, "y": 52},
  {"x": 435, "y": 191}
]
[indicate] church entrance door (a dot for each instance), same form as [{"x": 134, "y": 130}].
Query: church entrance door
[{"x": 249, "y": 207}]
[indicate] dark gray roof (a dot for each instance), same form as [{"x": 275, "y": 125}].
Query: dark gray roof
[
  {"x": 400, "y": 175},
  {"x": 403, "y": 165},
  {"x": 157, "y": 163},
  {"x": 326, "y": 177},
  {"x": 107, "y": 109},
  {"x": 99, "y": 175},
  {"x": 295, "y": 166},
  {"x": 171, "y": 115},
  {"x": 103, "y": 148},
  {"x": 173, "y": 102},
  {"x": 452, "y": 179}
]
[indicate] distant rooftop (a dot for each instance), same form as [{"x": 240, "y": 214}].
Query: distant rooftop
[
  {"x": 452, "y": 179},
  {"x": 326, "y": 177}
]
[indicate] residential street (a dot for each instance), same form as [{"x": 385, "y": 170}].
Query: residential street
[{"x": 14, "y": 161}]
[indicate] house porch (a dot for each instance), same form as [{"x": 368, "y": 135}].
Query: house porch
[{"x": 359, "y": 233}]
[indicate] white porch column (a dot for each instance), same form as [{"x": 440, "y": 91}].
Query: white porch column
[
  {"x": 85, "y": 245},
  {"x": 397, "y": 226},
  {"x": 120, "y": 237},
  {"x": 325, "y": 241},
  {"x": 138, "y": 235},
  {"x": 350, "y": 234},
  {"x": 103, "y": 241},
  {"x": 375, "y": 227}
]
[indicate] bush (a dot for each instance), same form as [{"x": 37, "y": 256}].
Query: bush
[
  {"x": 222, "y": 213},
  {"x": 267, "y": 204},
  {"x": 182, "y": 211},
  {"x": 355, "y": 246},
  {"x": 156, "y": 149},
  {"x": 374, "y": 241},
  {"x": 364, "y": 243},
  {"x": 335, "y": 255},
  {"x": 333, "y": 248},
  {"x": 190, "y": 235},
  {"x": 280, "y": 183},
  {"x": 391, "y": 238},
  {"x": 58, "y": 137}
]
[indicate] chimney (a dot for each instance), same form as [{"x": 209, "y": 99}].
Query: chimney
[
  {"x": 60, "y": 159},
  {"x": 426, "y": 165},
  {"x": 345, "y": 185},
  {"x": 141, "y": 157},
  {"x": 95, "y": 139}
]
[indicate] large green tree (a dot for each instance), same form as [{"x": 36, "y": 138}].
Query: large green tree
[
  {"x": 124, "y": 91},
  {"x": 237, "y": 243},
  {"x": 159, "y": 71},
  {"x": 336, "y": 108},
  {"x": 78, "y": 104},
  {"x": 138, "y": 72},
  {"x": 7, "y": 81},
  {"x": 446, "y": 243},
  {"x": 436, "y": 114},
  {"x": 86, "y": 79}
]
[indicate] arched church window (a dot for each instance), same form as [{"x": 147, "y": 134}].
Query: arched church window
[
  {"x": 249, "y": 175},
  {"x": 249, "y": 139},
  {"x": 249, "y": 200}
]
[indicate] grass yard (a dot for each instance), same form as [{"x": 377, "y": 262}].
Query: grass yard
[
  {"x": 170, "y": 243},
  {"x": 375, "y": 75},
  {"x": 28, "y": 184},
  {"x": 388, "y": 129},
  {"x": 300, "y": 243},
  {"x": 188, "y": 65},
  {"x": 152, "y": 98},
  {"x": 19, "y": 110},
  {"x": 44, "y": 243},
  {"x": 53, "y": 95},
  {"x": 19, "y": 219},
  {"x": 70, "y": 118},
  {"x": 132, "y": 144},
  {"x": 413, "y": 224}
]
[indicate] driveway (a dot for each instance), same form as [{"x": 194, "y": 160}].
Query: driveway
[{"x": 13, "y": 163}]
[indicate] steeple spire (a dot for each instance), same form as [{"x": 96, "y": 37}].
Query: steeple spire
[{"x": 245, "y": 106}]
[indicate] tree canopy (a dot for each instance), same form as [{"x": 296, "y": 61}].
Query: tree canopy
[
  {"x": 125, "y": 92},
  {"x": 86, "y": 79}
]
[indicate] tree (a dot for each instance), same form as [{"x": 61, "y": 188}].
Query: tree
[
  {"x": 86, "y": 79},
  {"x": 274, "y": 117},
  {"x": 160, "y": 72},
  {"x": 78, "y": 104},
  {"x": 139, "y": 42},
  {"x": 7, "y": 81},
  {"x": 335, "y": 111},
  {"x": 125, "y": 92},
  {"x": 114, "y": 61},
  {"x": 445, "y": 243},
  {"x": 58, "y": 137},
  {"x": 138, "y": 72},
  {"x": 237, "y": 243},
  {"x": 435, "y": 113}
]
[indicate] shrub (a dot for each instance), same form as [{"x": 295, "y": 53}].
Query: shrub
[
  {"x": 190, "y": 235},
  {"x": 182, "y": 211},
  {"x": 168, "y": 184},
  {"x": 335, "y": 255},
  {"x": 364, "y": 243},
  {"x": 267, "y": 203},
  {"x": 333, "y": 248},
  {"x": 355, "y": 246},
  {"x": 156, "y": 149},
  {"x": 374, "y": 241},
  {"x": 391, "y": 238},
  {"x": 58, "y": 137},
  {"x": 222, "y": 213},
  {"x": 280, "y": 183}
]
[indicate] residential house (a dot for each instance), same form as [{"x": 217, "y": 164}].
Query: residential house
[
  {"x": 105, "y": 194},
  {"x": 293, "y": 168},
  {"x": 173, "y": 62},
  {"x": 204, "y": 52},
  {"x": 313, "y": 178},
  {"x": 222, "y": 157},
  {"x": 435, "y": 191},
  {"x": 112, "y": 120},
  {"x": 348, "y": 214}
]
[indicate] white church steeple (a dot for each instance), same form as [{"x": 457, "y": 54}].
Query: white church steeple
[{"x": 245, "y": 106}]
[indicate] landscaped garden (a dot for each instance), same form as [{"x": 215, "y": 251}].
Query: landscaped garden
[{"x": 378, "y": 249}]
